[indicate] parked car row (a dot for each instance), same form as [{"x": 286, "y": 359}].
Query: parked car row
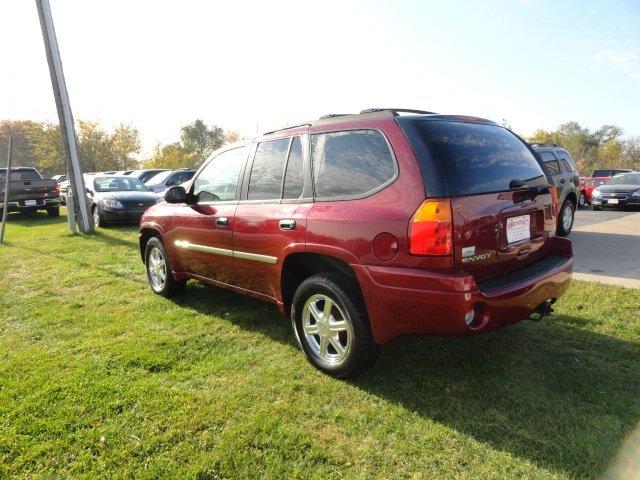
[
  {"x": 366, "y": 227},
  {"x": 620, "y": 191}
]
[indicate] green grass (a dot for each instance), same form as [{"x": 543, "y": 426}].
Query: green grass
[{"x": 101, "y": 378}]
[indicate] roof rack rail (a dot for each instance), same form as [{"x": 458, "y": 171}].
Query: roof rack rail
[
  {"x": 332, "y": 115},
  {"x": 544, "y": 144},
  {"x": 397, "y": 110},
  {"x": 289, "y": 127}
]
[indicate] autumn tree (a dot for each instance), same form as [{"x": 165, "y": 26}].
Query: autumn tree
[{"x": 198, "y": 140}]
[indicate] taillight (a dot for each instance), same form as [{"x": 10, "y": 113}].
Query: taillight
[
  {"x": 58, "y": 187},
  {"x": 554, "y": 199},
  {"x": 431, "y": 229}
]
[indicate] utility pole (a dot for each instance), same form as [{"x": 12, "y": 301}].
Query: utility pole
[
  {"x": 67, "y": 128},
  {"x": 5, "y": 203}
]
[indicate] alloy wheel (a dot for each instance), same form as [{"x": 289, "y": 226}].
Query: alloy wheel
[
  {"x": 327, "y": 330},
  {"x": 157, "y": 269}
]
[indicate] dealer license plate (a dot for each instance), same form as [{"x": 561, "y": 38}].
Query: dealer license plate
[
  {"x": 518, "y": 228},
  {"x": 28, "y": 203},
  {"x": 613, "y": 201}
]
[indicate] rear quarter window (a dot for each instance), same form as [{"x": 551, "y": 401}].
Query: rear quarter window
[
  {"x": 351, "y": 163},
  {"x": 478, "y": 158}
]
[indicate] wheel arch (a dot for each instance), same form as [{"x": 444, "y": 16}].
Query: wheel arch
[{"x": 299, "y": 266}]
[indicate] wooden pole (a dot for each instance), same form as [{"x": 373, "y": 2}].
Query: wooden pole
[{"x": 5, "y": 204}]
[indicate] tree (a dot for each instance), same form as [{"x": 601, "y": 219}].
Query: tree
[
  {"x": 125, "y": 142},
  {"x": 171, "y": 156},
  {"x": 199, "y": 141},
  {"x": 46, "y": 146},
  {"x": 231, "y": 136}
]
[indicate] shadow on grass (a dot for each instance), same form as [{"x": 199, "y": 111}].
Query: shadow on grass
[
  {"x": 553, "y": 393},
  {"x": 35, "y": 219}
]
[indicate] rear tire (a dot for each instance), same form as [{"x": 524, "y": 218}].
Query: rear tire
[
  {"x": 596, "y": 208},
  {"x": 158, "y": 269},
  {"x": 331, "y": 326},
  {"x": 566, "y": 218},
  {"x": 53, "y": 212}
]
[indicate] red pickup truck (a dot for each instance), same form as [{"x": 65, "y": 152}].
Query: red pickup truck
[{"x": 29, "y": 192}]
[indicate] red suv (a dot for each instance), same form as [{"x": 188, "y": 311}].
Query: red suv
[{"x": 366, "y": 227}]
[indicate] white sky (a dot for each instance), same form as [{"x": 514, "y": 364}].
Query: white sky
[{"x": 161, "y": 64}]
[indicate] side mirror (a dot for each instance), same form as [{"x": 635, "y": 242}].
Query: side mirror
[{"x": 176, "y": 194}]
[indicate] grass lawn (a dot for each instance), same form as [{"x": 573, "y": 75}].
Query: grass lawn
[{"x": 101, "y": 378}]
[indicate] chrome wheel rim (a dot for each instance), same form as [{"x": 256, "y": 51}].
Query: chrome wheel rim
[
  {"x": 157, "y": 268},
  {"x": 96, "y": 217},
  {"x": 581, "y": 200},
  {"x": 327, "y": 330},
  {"x": 567, "y": 218}
]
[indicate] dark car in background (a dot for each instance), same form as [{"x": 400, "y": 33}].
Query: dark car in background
[
  {"x": 163, "y": 180},
  {"x": 564, "y": 173},
  {"x": 118, "y": 199},
  {"x": 609, "y": 172},
  {"x": 29, "y": 192},
  {"x": 620, "y": 191}
]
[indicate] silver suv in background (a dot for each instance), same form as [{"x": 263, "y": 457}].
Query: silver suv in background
[{"x": 564, "y": 173}]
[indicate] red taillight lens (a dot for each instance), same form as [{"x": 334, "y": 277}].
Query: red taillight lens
[
  {"x": 58, "y": 187},
  {"x": 431, "y": 229}
]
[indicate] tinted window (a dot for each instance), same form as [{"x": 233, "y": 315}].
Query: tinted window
[
  {"x": 180, "y": 177},
  {"x": 553, "y": 167},
  {"x": 118, "y": 184},
  {"x": 293, "y": 179},
  {"x": 350, "y": 163},
  {"x": 265, "y": 182},
  {"x": 218, "y": 181},
  {"x": 567, "y": 162},
  {"x": 566, "y": 168},
  {"x": 625, "y": 179},
  {"x": 601, "y": 173},
  {"x": 477, "y": 158},
  {"x": 20, "y": 174}
]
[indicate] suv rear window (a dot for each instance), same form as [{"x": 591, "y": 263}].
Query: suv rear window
[
  {"x": 351, "y": 163},
  {"x": 478, "y": 158},
  {"x": 601, "y": 173}
]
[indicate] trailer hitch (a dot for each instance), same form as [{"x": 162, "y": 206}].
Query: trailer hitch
[{"x": 542, "y": 310}]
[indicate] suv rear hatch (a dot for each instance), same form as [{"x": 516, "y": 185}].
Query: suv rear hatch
[{"x": 501, "y": 200}]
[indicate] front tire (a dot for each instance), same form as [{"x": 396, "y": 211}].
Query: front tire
[
  {"x": 566, "y": 218},
  {"x": 98, "y": 221},
  {"x": 596, "y": 208},
  {"x": 159, "y": 274},
  {"x": 582, "y": 201},
  {"x": 331, "y": 326}
]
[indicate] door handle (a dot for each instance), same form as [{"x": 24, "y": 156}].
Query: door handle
[
  {"x": 222, "y": 222},
  {"x": 287, "y": 224}
]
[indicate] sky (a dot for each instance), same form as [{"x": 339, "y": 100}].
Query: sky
[{"x": 248, "y": 66}]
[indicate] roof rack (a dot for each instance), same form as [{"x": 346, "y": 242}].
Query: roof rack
[
  {"x": 395, "y": 111},
  {"x": 544, "y": 144}
]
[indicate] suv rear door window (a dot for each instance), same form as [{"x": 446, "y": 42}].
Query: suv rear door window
[
  {"x": 351, "y": 163},
  {"x": 550, "y": 161},
  {"x": 567, "y": 162},
  {"x": 265, "y": 182},
  {"x": 293, "y": 180},
  {"x": 218, "y": 181},
  {"x": 478, "y": 158}
]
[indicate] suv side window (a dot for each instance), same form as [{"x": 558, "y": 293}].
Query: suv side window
[
  {"x": 550, "y": 162},
  {"x": 351, "y": 163},
  {"x": 267, "y": 171},
  {"x": 218, "y": 181},
  {"x": 566, "y": 162},
  {"x": 293, "y": 179}
]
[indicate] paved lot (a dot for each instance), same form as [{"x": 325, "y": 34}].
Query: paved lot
[{"x": 606, "y": 247}]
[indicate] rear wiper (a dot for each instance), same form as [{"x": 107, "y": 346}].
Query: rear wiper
[{"x": 530, "y": 192}]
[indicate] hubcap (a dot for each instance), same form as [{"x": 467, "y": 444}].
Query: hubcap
[
  {"x": 581, "y": 200},
  {"x": 96, "y": 217},
  {"x": 567, "y": 218},
  {"x": 327, "y": 330},
  {"x": 157, "y": 268}
]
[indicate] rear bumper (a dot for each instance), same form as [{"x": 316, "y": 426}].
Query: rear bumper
[
  {"x": 402, "y": 301},
  {"x": 41, "y": 204}
]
